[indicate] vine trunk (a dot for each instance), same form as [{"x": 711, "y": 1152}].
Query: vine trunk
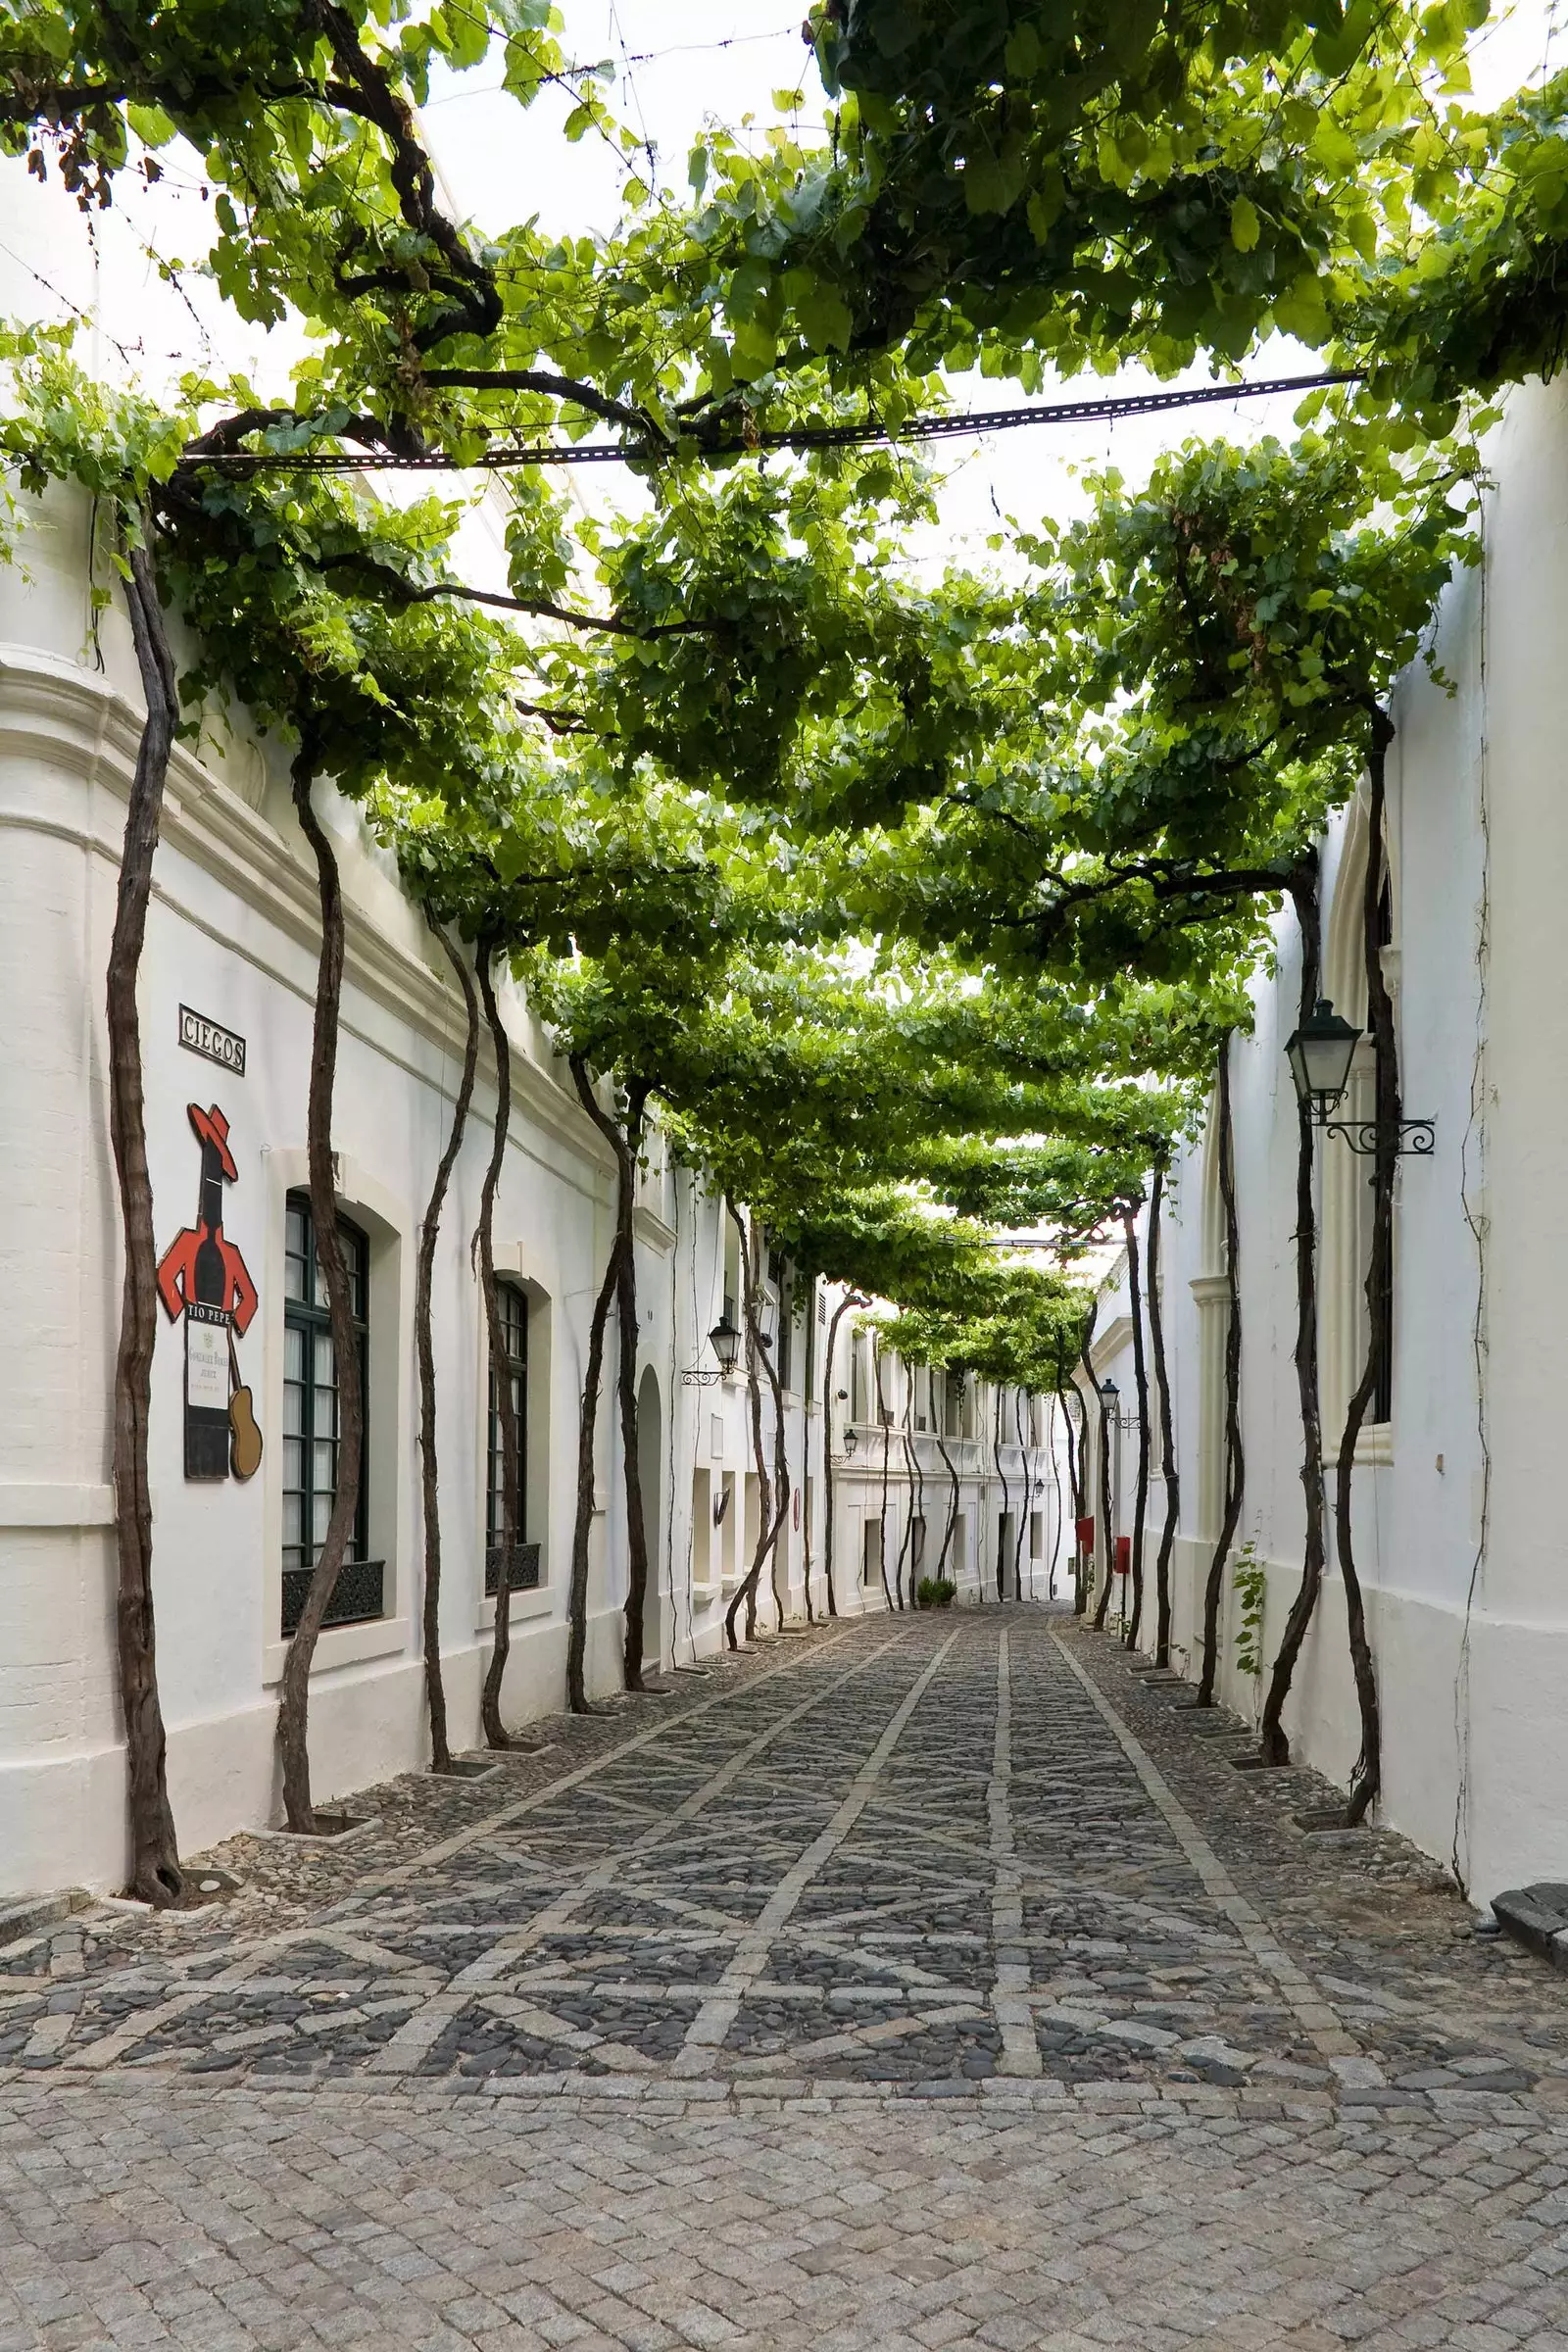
[
  {"x": 1235, "y": 1460},
  {"x": 1274, "y": 1746},
  {"x": 425, "y": 1350},
  {"x": 155, "y": 1872},
  {"x": 293, "y": 1712},
  {"x": 1168, "y": 1469},
  {"x": 510, "y": 1531}
]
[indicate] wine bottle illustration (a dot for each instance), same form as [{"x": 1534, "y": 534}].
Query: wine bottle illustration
[{"x": 203, "y": 1278}]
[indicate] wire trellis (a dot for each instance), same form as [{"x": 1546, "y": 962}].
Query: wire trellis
[{"x": 865, "y": 434}]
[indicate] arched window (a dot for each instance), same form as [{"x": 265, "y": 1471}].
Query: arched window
[
  {"x": 311, "y": 1422},
  {"x": 1347, "y": 1195},
  {"x": 511, "y": 1301}
]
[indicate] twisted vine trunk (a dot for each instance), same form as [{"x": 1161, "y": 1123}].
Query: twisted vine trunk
[
  {"x": 1023, "y": 1421},
  {"x": 1167, "y": 1436},
  {"x": 1085, "y": 1470},
  {"x": 424, "y": 1350},
  {"x": 1274, "y": 1746},
  {"x": 1056, "y": 1489},
  {"x": 631, "y": 1462},
  {"x": 495, "y": 1731},
  {"x": 294, "y": 1699},
  {"x": 587, "y": 1433},
  {"x": 806, "y": 1482},
  {"x": 1234, "y": 1459},
  {"x": 805, "y": 1457},
  {"x": 625, "y": 1141},
  {"x": 1129, "y": 1223},
  {"x": 882, "y": 1516},
  {"x": 782, "y": 1488},
  {"x": 1366, "y": 1781},
  {"x": 995, "y": 1447},
  {"x": 907, "y": 1542},
  {"x": 952, "y": 1528},
  {"x": 1075, "y": 1489},
  {"x": 155, "y": 1872},
  {"x": 839, "y": 1313},
  {"x": 1107, "y": 1531},
  {"x": 583, "y": 1518},
  {"x": 767, "y": 1530}
]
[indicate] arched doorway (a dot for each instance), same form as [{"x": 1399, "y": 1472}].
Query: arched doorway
[{"x": 650, "y": 1468}]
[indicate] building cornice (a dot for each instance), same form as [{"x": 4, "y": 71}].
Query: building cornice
[{"x": 53, "y": 711}]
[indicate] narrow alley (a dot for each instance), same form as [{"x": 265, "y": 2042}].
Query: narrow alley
[{"x": 917, "y": 1981}]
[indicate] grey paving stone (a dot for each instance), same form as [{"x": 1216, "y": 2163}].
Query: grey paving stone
[{"x": 801, "y": 2012}]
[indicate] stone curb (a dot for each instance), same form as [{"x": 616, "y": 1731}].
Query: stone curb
[{"x": 665, "y": 2097}]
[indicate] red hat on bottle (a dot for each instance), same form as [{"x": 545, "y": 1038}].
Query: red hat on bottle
[{"x": 213, "y": 1128}]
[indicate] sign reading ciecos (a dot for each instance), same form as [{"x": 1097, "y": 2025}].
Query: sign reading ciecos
[{"x": 200, "y": 1036}]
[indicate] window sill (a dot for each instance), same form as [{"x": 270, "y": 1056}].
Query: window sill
[
  {"x": 534, "y": 1601},
  {"x": 342, "y": 1646},
  {"x": 1375, "y": 1444},
  {"x": 649, "y": 1227}
]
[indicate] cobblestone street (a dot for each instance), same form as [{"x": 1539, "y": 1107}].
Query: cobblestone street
[{"x": 919, "y": 1981}]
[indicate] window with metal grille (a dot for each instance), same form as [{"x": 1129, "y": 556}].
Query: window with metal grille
[
  {"x": 513, "y": 1303},
  {"x": 311, "y": 1422}
]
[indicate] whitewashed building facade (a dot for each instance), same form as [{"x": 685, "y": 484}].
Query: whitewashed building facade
[
  {"x": 1459, "y": 1514},
  {"x": 226, "y": 1001}
]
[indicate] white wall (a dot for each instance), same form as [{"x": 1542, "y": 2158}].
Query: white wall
[
  {"x": 989, "y": 1479},
  {"x": 234, "y": 932},
  {"x": 1470, "y": 1635}
]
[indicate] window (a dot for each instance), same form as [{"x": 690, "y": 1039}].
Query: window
[
  {"x": 859, "y": 1382},
  {"x": 786, "y": 1328},
  {"x": 311, "y": 1422},
  {"x": 732, "y": 1270},
  {"x": 512, "y": 1309}
]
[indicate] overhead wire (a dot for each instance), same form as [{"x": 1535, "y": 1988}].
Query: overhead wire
[{"x": 868, "y": 433}]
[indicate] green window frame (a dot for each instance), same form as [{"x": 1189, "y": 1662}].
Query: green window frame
[
  {"x": 511, "y": 1301},
  {"x": 311, "y": 1422}
]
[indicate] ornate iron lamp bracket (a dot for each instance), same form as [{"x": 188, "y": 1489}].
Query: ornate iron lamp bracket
[{"x": 1416, "y": 1138}]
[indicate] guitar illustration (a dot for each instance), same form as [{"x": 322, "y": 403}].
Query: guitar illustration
[{"x": 203, "y": 1278}]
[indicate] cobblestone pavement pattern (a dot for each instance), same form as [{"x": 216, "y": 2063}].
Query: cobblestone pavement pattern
[{"x": 928, "y": 1980}]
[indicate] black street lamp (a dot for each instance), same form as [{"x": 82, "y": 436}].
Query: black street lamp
[
  {"x": 1320, "y": 1053},
  {"x": 724, "y": 1340}
]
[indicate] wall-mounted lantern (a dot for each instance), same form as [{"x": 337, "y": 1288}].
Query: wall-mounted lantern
[
  {"x": 1320, "y": 1053},
  {"x": 724, "y": 1340}
]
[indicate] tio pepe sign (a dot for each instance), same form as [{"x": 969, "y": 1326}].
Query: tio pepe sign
[{"x": 199, "y": 1034}]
